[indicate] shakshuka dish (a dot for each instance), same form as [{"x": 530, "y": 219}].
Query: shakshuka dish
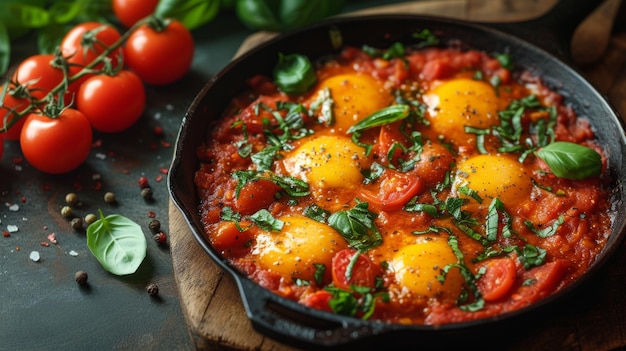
[{"x": 419, "y": 185}]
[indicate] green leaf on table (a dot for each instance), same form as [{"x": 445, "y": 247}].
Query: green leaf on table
[
  {"x": 5, "y": 49},
  {"x": 571, "y": 161},
  {"x": 118, "y": 243},
  {"x": 192, "y": 13}
]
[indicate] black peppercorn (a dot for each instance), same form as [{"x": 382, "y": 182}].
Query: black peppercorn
[
  {"x": 81, "y": 277},
  {"x": 154, "y": 225},
  {"x": 152, "y": 289},
  {"x": 77, "y": 223},
  {"x": 160, "y": 238},
  {"x": 146, "y": 193}
]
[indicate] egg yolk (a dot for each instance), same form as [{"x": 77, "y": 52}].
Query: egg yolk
[
  {"x": 327, "y": 161},
  {"x": 418, "y": 267},
  {"x": 355, "y": 96},
  {"x": 298, "y": 247},
  {"x": 493, "y": 176},
  {"x": 463, "y": 102}
]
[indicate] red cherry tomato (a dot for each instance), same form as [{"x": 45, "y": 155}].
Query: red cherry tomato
[
  {"x": 131, "y": 11},
  {"x": 362, "y": 273},
  {"x": 498, "y": 279},
  {"x": 319, "y": 300},
  {"x": 56, "y": 145},
  {"x": 40, "y": 75},
  {"x": 112, "y": 103},
  {"x": 392, "y": 190},
  {"x": 160, "y": 57},
  {"x": 255, "y": 195},
  {"x": 9, "y": 105},
  {"x": 84, "y": 42}
]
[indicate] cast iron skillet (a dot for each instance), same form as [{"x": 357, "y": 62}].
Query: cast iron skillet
[{"x": 298, "y": 325}]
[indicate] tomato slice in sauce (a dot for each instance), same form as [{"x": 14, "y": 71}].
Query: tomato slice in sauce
[
  {"x": 361, "y": 272},
  {"x": 498, "y": 279},
  {"x": 392, "y": 190}
]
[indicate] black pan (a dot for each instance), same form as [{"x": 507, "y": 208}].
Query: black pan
[{"x": 292, "y": 323}]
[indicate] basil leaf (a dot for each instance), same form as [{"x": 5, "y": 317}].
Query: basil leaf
[
  {"x": 5, "y": 49},
  {"x": 264, "y": 220},
  {"x": 23, "y": 15},
  {"x": 118, "y": 243},
  {"x": 357, "y": 227},
  {"x": 294, "y": 74},
  {"x": 192, "y": 13},
  {"x": 387, "y": 115},
  {"x": 571, "y": 161}
]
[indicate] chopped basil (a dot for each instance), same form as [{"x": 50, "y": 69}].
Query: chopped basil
[
  {"x": 496, "y": 212},
  {"x": 427, "y": 37},
  {"x": 381, "y": 117},
  {"x": 531, "y": 256},
  {"x": 505, "y": 60},
  {"x": 571, "y": 161},
  {"x": 373, "y": 173},
  {"x": 471, "y": 193},
  {"x": 325, "y": 104},
  {"x": 291, "y": 185},
  {"x": 320, "y": 269},
  {"x": 545, "y": 232},
  {"x": 357, "y": 227},
  {"x": 264, "y": 220},
  {"x": 396, "y": 50},
  {"x": 316, "y": 213},
  {"x": 350, "y": 267},
  {"x": 467, "y": 274},
  {"x": 346, "y": 303},
  {"x": 294, "y": 74}
]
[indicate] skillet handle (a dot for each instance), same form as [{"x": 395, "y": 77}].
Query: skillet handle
[
  {"x": 298, "y": 325},
  {"x": 552, "y": 31}
]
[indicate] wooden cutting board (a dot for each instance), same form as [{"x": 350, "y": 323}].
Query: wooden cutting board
[{"x": 211, "y": 302}]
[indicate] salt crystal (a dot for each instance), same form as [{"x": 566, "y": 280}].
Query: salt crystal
[
  {"x": 96, "y": 176},
  {"x": 169, "y": 107},
  {"x": 34, "y": 255},
  {"x": 157, "y": 115},
  {"x": 101, "y": 156},
  {"x": 73, "y": 253},
  {"x": 14, "y": 207},
  {"x": 11, "y": 228}
]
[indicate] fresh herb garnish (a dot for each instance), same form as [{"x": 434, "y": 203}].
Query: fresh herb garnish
[
  {"x": 118, "y": 243},
  {"x": 381, "y": 117},
  {"x": 357, "y": 227},
  {"x": 427, "y": 37},
  {"x": 545, "y": 232},
  {"x": 294, "y": 74},
  {"x": 292, "y": 186},
  {"x": 571, "y": 161}
]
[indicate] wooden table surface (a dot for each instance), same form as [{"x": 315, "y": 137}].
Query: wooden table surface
[{"x": 594, "y": 318}]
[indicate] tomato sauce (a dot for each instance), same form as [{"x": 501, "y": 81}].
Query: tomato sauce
[{"x": 407, "y": 189}]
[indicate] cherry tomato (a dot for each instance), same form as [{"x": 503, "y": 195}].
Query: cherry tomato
[
  {"x": 392, "y": 190},
  {"x": 56, "y": 145},
  {"x": 319, "y": 300},
  {"x": 255, "y": 195},
  {"x": 112, "y": 103},
  {"x": 40, "y": 75},
  {"x": 131, "y": 11},
  {"x": 362, "y": 273},
  {"x": 498, "y": 279},
  {"x": 160, "y": 57},
  {"x": 85, "y": 42},
  {"x": 10, "y": 104},
  {"x": 228, "y": 238}
]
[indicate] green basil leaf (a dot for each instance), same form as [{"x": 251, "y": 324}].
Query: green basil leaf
[
  {"x": 5, "y": 49},
  {"x": 23, "y": 15},
  {"x": 571, "y": 161},
  {"x": 381, "y": 117},
  {"x": 357, "y": 227},
  {"x": 192, "y": 13},
  {"x": 118, "y": 243},
  {"x": 259, "y": 14},
  {"x": 294, "y": 74},
  {"x": 264, "y": 220},
  {"x": 49, "y": 38},
  {"x": 298, "y": 13}
]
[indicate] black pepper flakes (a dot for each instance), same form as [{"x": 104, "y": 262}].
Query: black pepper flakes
[
  {"x": 152, "y": 289},
  {"x": 81, "y": 277}
]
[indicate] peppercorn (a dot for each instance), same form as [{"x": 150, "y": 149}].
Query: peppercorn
[
  {"x": 76, "y": 223},
  {"x": 71, "y": 199},
  {"x": 154, "y": 225},
  {"x": 90, "y": 218},
  {"x": 66, "y": 211},
  {"x": 146, "y": 193},
  {"x": 152, "y": 289},
  {"x": 109, "y": 197},
  {"x": 81, "y": 277},
  {"x": 160, "y": 238}
]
